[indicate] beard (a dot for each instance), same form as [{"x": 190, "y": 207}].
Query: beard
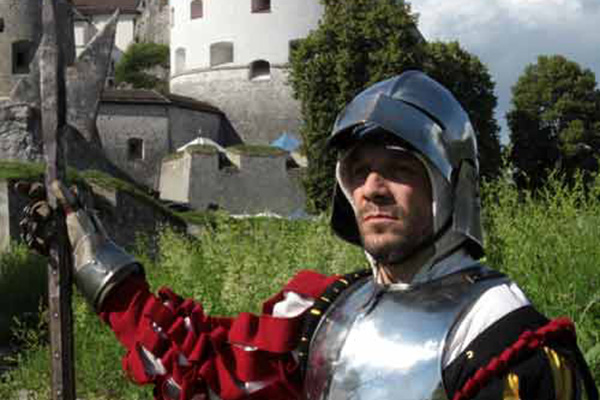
[{"x": 392, "y": 244}]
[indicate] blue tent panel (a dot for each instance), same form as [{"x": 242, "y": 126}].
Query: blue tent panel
[{"x": 287, "y": 141}]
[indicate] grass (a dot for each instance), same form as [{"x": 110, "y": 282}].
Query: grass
[
  {"x": 547, "y": 243},
  {"x": 256, "y": 150}
]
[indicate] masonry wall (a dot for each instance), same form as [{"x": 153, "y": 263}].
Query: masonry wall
[
  {"x": 187, "y": 125},
  {"x": 175, "y": 179},
  {"x": 261, "y": 184},
  {"x": 124, "y": 215},
  {"x": 250, "y": 185},
  {"x": 22, "y": 22},
  {"x": 262, "y": 35},
  {"x": 152, "y": 25},
  {"x": 259, "y": 110},
  {"x": 20, "y": 136},
  {"x": 118, "y": 123}
]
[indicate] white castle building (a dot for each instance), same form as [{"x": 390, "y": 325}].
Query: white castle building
[{"x": 235, "y": 55}]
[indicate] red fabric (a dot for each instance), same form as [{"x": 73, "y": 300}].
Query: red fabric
[
  {"x": 527, "y": 341},
  {"x": 212, "y": 347}
]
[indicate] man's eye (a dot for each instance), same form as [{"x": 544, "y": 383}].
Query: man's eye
[{"x": 360, "y": 172}]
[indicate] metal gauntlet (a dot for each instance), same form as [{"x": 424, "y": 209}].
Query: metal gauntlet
[
  {"x": 99, "y": 264},
  {"x": 98, "y": 272}
]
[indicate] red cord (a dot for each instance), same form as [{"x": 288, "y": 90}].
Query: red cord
[{"x": 527, "y": 341}]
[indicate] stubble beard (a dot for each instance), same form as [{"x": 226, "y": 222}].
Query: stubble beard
[{"x": 387, "y": 252}]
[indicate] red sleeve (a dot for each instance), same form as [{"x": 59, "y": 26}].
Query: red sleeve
[{"x": 199, "y": 351}]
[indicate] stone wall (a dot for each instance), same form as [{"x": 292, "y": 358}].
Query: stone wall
[
  {"x": 118, "y": 123},
  {"x": 22, "y": 22},
  {"x": 124, "y": 215},
  {"x": 260, "y": 110},
  {"x": 186, "y": 125},
  {"x": 163, "y": 126},
  {"x": 237, "y": 182},
  {"x": 20, "y": 140},
  {"x": 152, "y": 25},
  {"x": 20, "y": 136}
]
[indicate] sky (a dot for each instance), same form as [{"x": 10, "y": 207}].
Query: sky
[{"x": 507, "y": 35}]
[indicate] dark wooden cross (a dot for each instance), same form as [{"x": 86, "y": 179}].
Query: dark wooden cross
[{"x": 53, "y": 124}]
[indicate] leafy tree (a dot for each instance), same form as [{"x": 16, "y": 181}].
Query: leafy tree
[
  {"x": 137, "y": 63},
  {"x": 554, "y": 120},
  {"x": 358, "y": 43},
  {"x": 469, "y": 80}
]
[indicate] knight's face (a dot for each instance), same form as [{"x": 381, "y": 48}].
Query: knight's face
[{"x": 391, "y": 195}]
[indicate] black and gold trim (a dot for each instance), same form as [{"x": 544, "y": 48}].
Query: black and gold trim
[{"x": 319, "y": 308}]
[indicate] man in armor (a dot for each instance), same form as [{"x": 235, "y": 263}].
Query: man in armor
[{"x": 427, "y": 322}]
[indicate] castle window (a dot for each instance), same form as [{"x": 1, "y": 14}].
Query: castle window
[
  {"x": 135, "y": 149},
  {"x": 180, "y": 59},
  {"x": 21, "y": 56},
  {"x": 261, "y": 6},
  {"x": 221, "y": 53},
  {"x": 260, "y": 70},
  {"x": 1, "y": 24},
  {"x": 172, "y": 17},
  {"x": 196, "y": 9}
]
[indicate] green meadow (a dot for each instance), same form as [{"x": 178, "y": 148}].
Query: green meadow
[{"x": 548, "y": 243}]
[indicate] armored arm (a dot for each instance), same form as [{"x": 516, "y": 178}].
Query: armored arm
[{"x": 99, "y": 265}]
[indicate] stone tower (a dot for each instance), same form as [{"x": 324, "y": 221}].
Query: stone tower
[
  {"x": 235, "y": 55},
  {"x": 20, "y": 32}
]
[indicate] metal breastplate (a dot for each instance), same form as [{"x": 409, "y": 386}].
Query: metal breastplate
[{"x": 380, "y": 345}]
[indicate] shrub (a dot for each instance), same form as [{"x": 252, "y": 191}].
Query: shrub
[{"x": 138, "y": 60}]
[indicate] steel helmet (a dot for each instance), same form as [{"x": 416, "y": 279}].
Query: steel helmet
[{"x": 426, "y": 117}]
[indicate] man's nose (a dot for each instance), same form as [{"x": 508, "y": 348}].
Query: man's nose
[{"x": 375, "y": 185}]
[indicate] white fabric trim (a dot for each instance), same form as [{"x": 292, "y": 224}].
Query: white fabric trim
[
  {"x": 292, "y": 305},
  {"x": 152, "y": 365},
  {"x": 493, "y": 304}
]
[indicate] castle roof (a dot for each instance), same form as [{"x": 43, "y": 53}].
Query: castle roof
[
  {"x": 144, "y": 96},
  {"x": 95, "y": 7}
]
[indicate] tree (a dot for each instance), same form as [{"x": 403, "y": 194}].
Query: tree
[
  {"x": 554, "y": 119},
  {"x": 359, "y": 42},
  {"x": 470, "y": 82},
  {"x": 137, "y": 64}
]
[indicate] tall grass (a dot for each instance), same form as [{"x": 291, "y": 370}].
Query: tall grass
[
  {"x": 550, "y": 244},
  {"x": 547, "y": 243}
]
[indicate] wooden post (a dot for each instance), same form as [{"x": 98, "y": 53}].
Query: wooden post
[{"x": 53, "y": 118}]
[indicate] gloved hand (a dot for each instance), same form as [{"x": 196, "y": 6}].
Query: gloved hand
[
  {"x": 99, "y": 264},
  {"x": 38, "y": 227}
]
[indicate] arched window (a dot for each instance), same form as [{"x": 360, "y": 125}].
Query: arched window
[
  {"x": 196, "y": 9},
  {"x": 221, "y": 53},
  {"x": 21, "y": 56},
  {"x": 135, "y": 149},
  {"x": 260, "y": 70},
  {"x": 180, "y": 60},
  {"x": 260, "y": 6},
  {"x": 172, "y": 17}
]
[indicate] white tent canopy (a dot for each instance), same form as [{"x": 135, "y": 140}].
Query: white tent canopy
[{"x": 201, "y": 141}]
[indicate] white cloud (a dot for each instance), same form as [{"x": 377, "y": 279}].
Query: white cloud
[{"x": 509, "y": 34}]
